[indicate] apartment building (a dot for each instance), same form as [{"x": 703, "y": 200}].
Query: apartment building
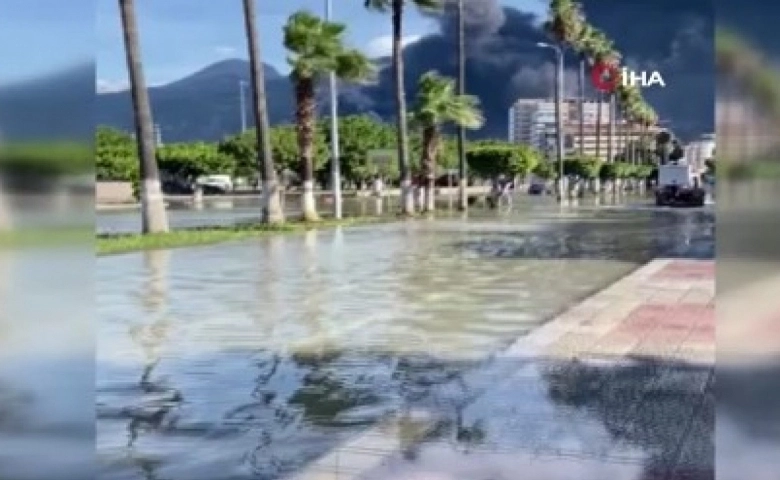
[
  {"x": 530, "y": 119},
  {"x": 594, "y": 144}
]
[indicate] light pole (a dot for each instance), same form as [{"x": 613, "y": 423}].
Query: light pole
[
  {"x": 242, "y": 102},
  {"x": 335, "y": 161},
  {"x": 559, "y": 134},
  {"x": 463, "y": 199}
]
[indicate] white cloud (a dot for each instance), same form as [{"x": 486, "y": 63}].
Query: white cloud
[
  {"x": 225, "y": 51},
  {"x": 108, "y": 86},
  {"x": 383, "y": 46}
]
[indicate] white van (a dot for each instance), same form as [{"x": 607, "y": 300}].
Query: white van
[{"x": 221, "y": 183}]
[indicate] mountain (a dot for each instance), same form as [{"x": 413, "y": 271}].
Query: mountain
[
  {"x": 202, "y": 106},
  {"x": 503, "y": 64},
  {"x": 54, "y": 107}
]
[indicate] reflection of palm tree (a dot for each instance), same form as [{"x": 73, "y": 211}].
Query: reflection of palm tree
[{"x": 151, "y": 338}]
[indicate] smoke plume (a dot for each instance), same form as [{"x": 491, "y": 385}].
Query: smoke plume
[{"x": 503, "y": 62}]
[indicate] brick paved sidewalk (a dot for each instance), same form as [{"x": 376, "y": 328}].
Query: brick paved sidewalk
[
  {"x": 658, "y": 417},
  {"x": 664, "y": 309}
]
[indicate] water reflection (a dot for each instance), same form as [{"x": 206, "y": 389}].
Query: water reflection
[{"x": 251, "y": 359}]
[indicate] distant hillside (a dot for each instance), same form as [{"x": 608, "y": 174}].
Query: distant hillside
[
  {"x": 55, "y": 107},
  {"x": 206, "y": 104}
]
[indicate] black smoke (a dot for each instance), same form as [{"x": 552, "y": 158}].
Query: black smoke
[{"x": 674, "y": 37}]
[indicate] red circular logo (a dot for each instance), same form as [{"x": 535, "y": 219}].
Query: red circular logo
[{"x": 605, "y": 76}]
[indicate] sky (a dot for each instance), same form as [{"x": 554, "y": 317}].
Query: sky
[
  {"x": 179, "y": 37},
  {"x": 41, "y": 37}
]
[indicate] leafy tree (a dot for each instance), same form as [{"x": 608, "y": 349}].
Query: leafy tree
[
  {"x": 358, "y": 135},
  {"x": 316, "y": 48},
  {"x": 582, "y": 167},
  {"x": 489, "y": 161},
  {"x": 116, "y": 155}
]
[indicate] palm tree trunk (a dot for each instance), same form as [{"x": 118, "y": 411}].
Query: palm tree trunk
[
  {"x": 581, "y": 80},
  {"x": 463, "y": 200},
  {"x": 273, "y": 212},
  {"x": 407, "y": 200},
  {"x": 599, "y": 112},
  {"x": 154, "y": 218},
  {"x": 304, "y": 120},
  {"x": 429, "y": 152},
  {"x": 611, "y": 133}
]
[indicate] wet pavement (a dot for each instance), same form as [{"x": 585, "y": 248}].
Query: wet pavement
[
  {"x": 585, "y": 409},
  {"x": 253, "y": 359}
]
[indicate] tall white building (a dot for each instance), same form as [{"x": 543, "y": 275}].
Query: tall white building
[
  {"x": 700, "y": 150},
  {"x": 529, "y": 119}
]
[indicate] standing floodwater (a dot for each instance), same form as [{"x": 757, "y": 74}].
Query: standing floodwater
[{"x": 247, "y": 360}]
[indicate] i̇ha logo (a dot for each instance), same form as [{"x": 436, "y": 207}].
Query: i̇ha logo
[{"x": 606, "y": 77}]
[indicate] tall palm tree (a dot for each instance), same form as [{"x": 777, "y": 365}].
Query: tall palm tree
[
  {"x": 273, "y": 212},
  {"x": 566, "y": 25},
  {"x": 439, "y": 103},
  {"x": 154, "y": 218},
  {"x": 316, "y": 49},
  {"x": 396, "y": 7},
  {"x": 598, "y": 49}
]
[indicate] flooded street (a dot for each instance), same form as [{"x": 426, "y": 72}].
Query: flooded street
[{"x": 248, "y": 360}]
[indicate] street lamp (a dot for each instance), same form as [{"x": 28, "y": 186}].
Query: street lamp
[
  {"x": 242, "y": 103},
  {"x": 558, "y": 111},
  {"x": 335, "y": 161}
]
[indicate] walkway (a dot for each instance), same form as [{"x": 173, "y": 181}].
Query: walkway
[{"x": 617, "y": 387}]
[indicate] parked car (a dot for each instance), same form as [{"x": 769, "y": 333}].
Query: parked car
[
  {"x": 536, "y": 189},
  {"x": 216, "y": 184}
]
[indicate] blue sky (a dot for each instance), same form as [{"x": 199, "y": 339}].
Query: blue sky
[
  {"x": 39, "y": 37},
  {"x": 178, "y": 37}
]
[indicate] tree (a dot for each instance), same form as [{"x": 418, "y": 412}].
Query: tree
[
  {"x": 598, "y": 49},
  {"x": 438, "y": 103},
  {"x": 359, "y": 134},
  {"x": 397, "y": 13},
  {"x": 272, "y": 205},
  {"x": 489, "y": 160},
  {"x": 567, "y": 27},
  {"x": 154, "y": 218},
  {"x": 316, "y": 48},
  {"x": 116, "y": 155}
]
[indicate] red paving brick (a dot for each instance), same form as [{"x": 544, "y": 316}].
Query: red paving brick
[
  {"x": 664, "y": 322},
  {"x": 686, "y": 270}
]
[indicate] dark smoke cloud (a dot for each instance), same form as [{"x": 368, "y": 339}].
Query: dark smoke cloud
[{"x": 504, "y": 64}]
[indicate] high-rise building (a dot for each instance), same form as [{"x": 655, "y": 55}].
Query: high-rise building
[{"x": 530, "y": 119}]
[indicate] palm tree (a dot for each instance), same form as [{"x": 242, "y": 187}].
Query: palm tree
[
  {"x": 273, "y": 212},
  {"x": 439, "y": 103},
  {"x": 396, "y": 7},
  {"x": 598, "y": 49},
  {"x": 154, "y": 218},
  {"x": 316, "y": 49}
]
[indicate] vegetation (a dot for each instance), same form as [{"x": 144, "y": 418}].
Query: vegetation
[
  {"x": 438, "y": 104},
  {"x": 114, "y": 244},
  {"x": 154, "y": 218},
  {"x": 316, "y": 48},
  {"x": 567, "y": 26},
  {"x": 272, "y": 206},
  {"x": 396, "y": 8},
  {"x": 116, "y": 153}
]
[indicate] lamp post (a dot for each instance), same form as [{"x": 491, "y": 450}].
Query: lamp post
[
  {"x": 242, "y": 103},
  {"x": 335, "y": 161},
  {"x": 463, "y": 200},
  {"x": 558, "y": 112}
]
